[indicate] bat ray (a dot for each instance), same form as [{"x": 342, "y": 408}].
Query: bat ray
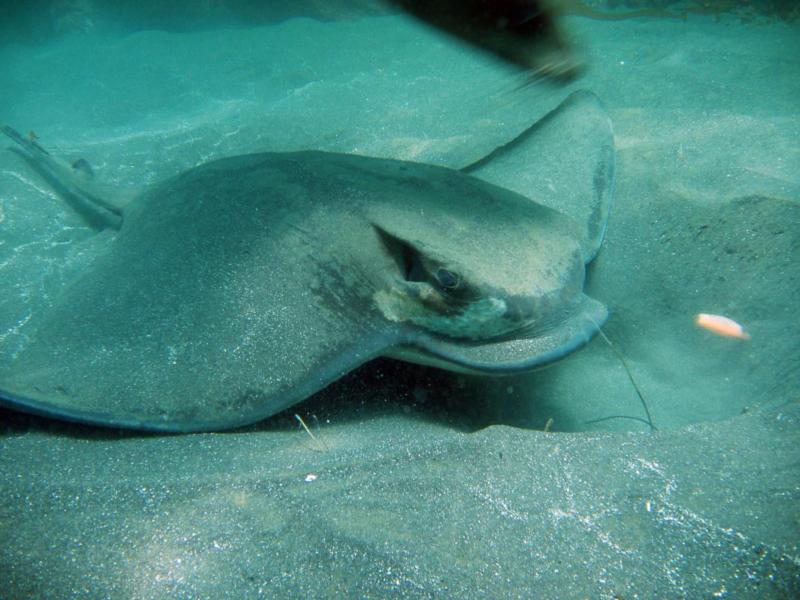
[{"x": 244, "y": 285}]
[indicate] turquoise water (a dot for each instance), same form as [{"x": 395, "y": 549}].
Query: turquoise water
[{"x": 429, "y": 483}]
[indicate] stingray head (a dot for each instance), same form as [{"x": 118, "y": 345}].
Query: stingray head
[
  {"x": 461, "y": 286},
  {"x": 478, "y": 292}
]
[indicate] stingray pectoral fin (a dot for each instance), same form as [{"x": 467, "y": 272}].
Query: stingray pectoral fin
[
  {"x": 508, "y": 356},
  {"x": 163, "y": 334},
  {"x": 564, "y": 161},
  {"x": 180, "y": 406},
  {"x": 210, "y": 392}
]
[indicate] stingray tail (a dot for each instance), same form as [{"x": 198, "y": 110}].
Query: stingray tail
[{"x": 100, "y": 206}]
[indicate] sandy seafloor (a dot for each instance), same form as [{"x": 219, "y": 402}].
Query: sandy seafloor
[{"x": 432, "y": 484}]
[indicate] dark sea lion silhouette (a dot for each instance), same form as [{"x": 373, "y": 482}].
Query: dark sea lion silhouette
[{"x": 524, "y": 33}]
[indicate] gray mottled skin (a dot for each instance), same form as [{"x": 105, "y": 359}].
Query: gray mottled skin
[{"x": 244, "y": 285}]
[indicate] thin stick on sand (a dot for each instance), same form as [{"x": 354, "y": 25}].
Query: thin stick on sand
[
  {"x": 321, "y": 445},
  {"x": 621, "y": 357}
]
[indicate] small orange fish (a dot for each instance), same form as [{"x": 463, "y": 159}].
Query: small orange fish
[{"x": 721, "y": 326}]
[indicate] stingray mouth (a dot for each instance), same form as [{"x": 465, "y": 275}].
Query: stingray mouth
[
  {"x": 527, "y": 348},
  {"x": 488, "y": 319},
  {"x": 432, "y": 309},
  {"x": 482, "y": 319}
]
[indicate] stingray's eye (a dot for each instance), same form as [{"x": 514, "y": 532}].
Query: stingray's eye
[
  {"x": 409, "y": 260},
  {"x": 447, "y": 279}
]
